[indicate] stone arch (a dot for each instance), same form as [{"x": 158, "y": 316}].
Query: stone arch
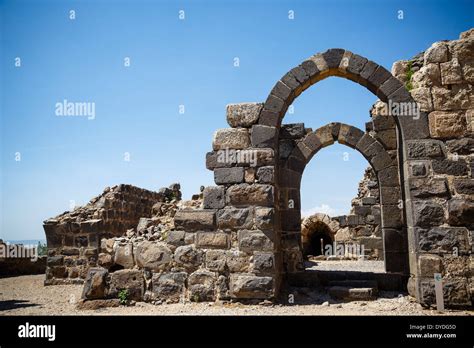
[
  {"x": 410, "y": 126},
  {"x": 386, "y": 170},
  {"x": 317, "y": 223}
]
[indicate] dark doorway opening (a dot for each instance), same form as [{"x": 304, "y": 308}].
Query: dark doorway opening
[{"x": 319, "y": 237}]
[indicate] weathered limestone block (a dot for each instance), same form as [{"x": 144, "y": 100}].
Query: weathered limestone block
[
  {"x": 169, "y": 286},
  {"x": 463, "y": 50},
  {"x": 250, "y": 286},
  {"x": 123, "y": 255},
  {"x": 250, "y": 241},
  {"x": 235, "y": 218},
  {"x": 447, "y": 124},
  {"x": 201, "y": 286},
  {"x": 461, "y": 212},
  {"x": 325, "y": 135},
  {"x": 214, "y": 197},
  {"x": 243, "y": 114},
  {"x": 127, "y": 279},
  {"x": 437, "y": 53},
  {"x": 232, "y": 175},
  {"x": 231, "y": 138},
  {"x": 95, "y": 284},
  {"x": 188, "y": 256},
  {"x": 454, "y": 99},
  {"x": 195, "y": 220},
  {"x": 245, "y": 194},
  {"x": 428, "y": 213},
  {"x": 444, "y": 240},
  {"x": 428, "y": 76},
  {"x": 212, "y": 240},
  {"x": 422, "y": 95},
  {"x": 152, "y": 255},
  {"x": 451, "y": 72}
]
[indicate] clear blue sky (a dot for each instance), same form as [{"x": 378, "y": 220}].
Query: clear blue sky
[{"x": 179, "y": 62}]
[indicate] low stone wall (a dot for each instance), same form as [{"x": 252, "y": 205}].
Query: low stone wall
[{"x": 73, "y": 238}]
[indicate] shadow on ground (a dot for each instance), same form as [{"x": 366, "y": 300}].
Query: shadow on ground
[{"x": 14, "y": 304}]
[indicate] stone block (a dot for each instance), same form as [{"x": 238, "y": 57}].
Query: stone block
[
  {"x": 464, "y": 186},
  {"x": 127, "y": 279},
  {"x": 237, "y": 261},
  {"x": 449, "y": 167},
  {"x": 264, "y": 136},
  {"x": 349, "y": 135},
  {"x": 123, "y": 255},
  {"x": 451, "y": 72},
  {"x": 443, "y": 240},
  {"x": 231, "y": 138},
  {"x": 429, "y": 265},
  {"x": 325, "y": 135},
  {"x": 188, "y": 257},
  {"x": 292, "y": 131},
  {"x": 281, "y": 91},
  {"x": 390, "y": 195},
  {"x": 286, "y": 146},
  {"x": 235, "y": 218},
  {"x": 391, "y": 216},
  {"x": 461, "y": 212},
  {"x": 214, "y": 197},
  {"x": 333, "y": 57},
  {"x": 243, "y": 114},
  {"x": 202, "y": 286},
  {"x": 255, "y": 240},
  {"x": 428, "y": 213},
  {"x": 169, "y": 286},
  {"x": 273, "y": 103},
  {"x": 250, "y": 286},
  {"x": 95, "y": 284},
  {"x": 216, "y": 260},
  {"x": 437, "y": 53},
  {"x": 418, "y": 149},
  {"x": 426, "y": 188},
  {"x": 418, "y": 169},
  {"x": 265, "y": 175},
  {"x": 212, "y": 240},
  {"x": 152, "y": 255},
  {"x": 195, "y": 220},
  {"x": 388, "y": 177},
  {"x": 233, "y": 175},
  {"x": 356, "y": 64},
  {"x": 245, "y": 194},
  {"x": 264, "y": 218},
  {"x": 447, "y": 124},
  {"x": 263, "y": 263}
]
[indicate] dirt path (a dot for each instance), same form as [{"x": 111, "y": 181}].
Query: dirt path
[{"x": 26, "y": 295}]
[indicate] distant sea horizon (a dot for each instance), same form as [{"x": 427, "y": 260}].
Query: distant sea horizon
[{"x": 26, "y": 241}]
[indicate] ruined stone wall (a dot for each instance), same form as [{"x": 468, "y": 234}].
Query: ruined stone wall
[
  {"x": 442, "y": 169},
  {"x": 73, "y": 238}
]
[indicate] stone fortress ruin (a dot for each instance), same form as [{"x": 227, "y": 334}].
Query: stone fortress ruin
[{"x": 244, "y": 239}]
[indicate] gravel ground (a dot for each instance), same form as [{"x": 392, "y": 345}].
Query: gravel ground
[{"x": 26, "y": 295}]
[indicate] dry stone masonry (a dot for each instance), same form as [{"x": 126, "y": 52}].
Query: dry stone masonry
[{"x": 243, "y": 240}]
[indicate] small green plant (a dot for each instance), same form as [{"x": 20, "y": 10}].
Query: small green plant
[
  {"x": 42, "y": 249},
  {"x": 409, "y": 73},
  {"x": 123, "y": 296}
]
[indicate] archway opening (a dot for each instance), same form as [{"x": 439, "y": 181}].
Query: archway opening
[{"x": 318, "y": 240}]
